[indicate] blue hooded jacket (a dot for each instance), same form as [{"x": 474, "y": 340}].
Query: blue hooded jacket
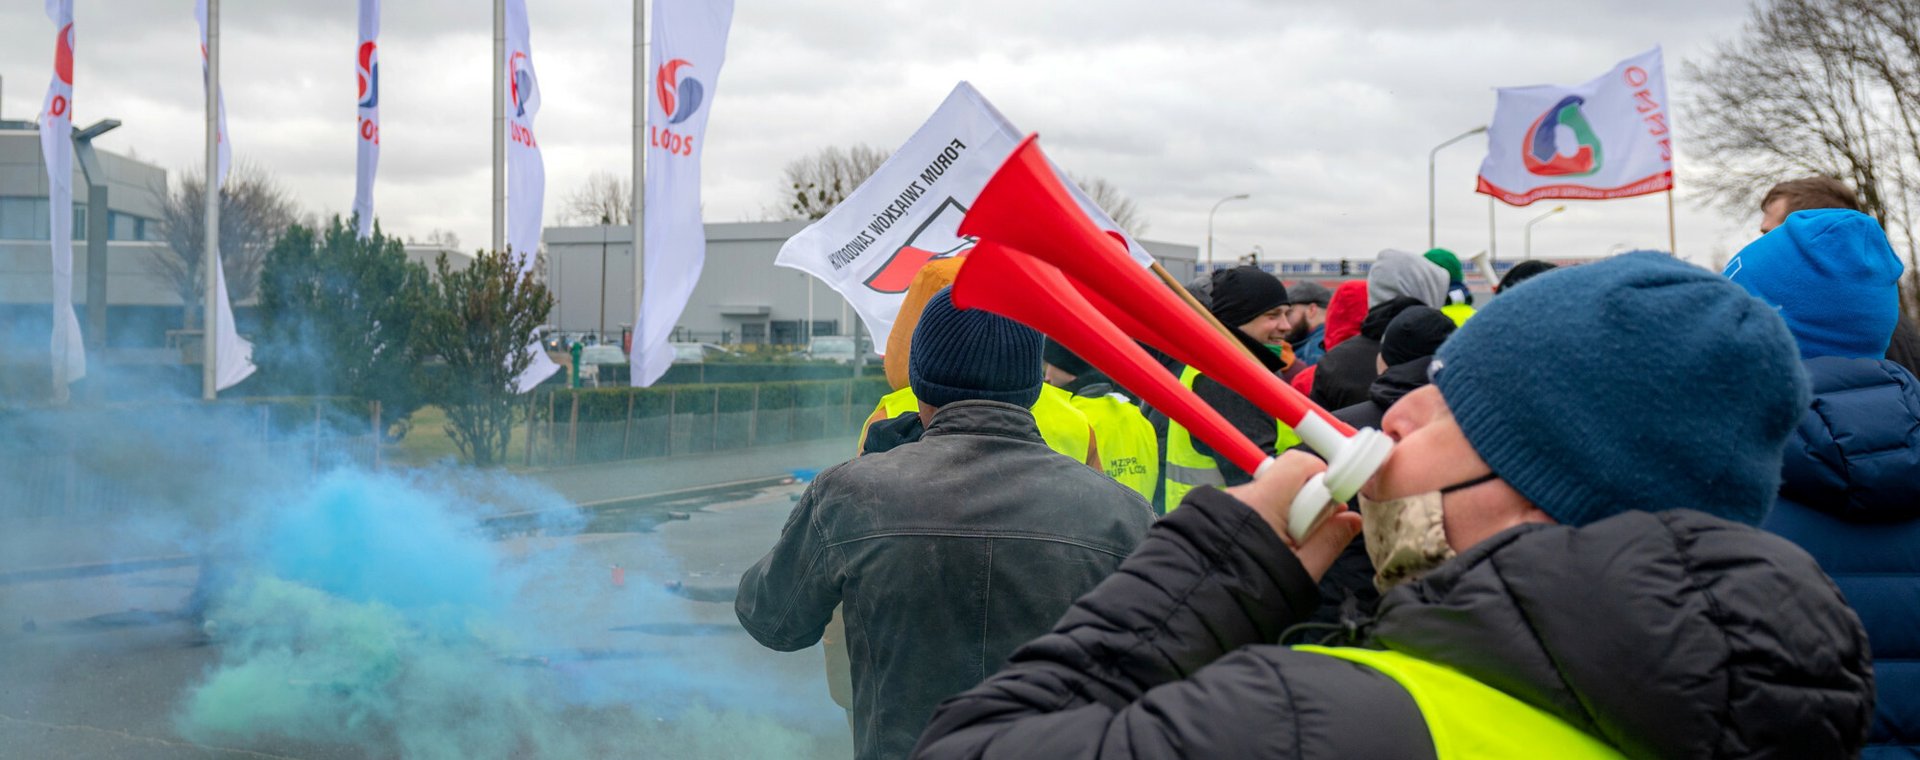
[{"x": 1850, "y": 496}]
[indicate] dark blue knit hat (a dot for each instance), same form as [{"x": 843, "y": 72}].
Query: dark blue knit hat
[
  {"x": 1635, "y": 383},
  {"x": 962, "y": 355}
]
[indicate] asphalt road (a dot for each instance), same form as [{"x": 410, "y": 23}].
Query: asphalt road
[{"x": 106, "y": 666}]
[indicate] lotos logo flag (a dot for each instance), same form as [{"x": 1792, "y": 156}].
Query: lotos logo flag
[
  {"x": 679, "y": 95},
  {"x": 1542, "y": 151},
  {"x": 684, "y": 31},
  {"x": 1607, "y": 138},
  {"x": 908, "y": 213},
  {"x": 526, "y": 171},
  {"x": 366, "y": 63},
  {"x": 69, "y": 359}
]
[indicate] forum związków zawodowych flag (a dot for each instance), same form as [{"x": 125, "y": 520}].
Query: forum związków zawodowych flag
[
  {"x": 916, "y": 199},
  {"x": 526, "y": 173},
  {"x": 56, "y": 147},
  {"x": 233, "y": 356},
  {"x": 366, "y": 63},
  {"x": 1609, "y": 138},
  {"x": 689, "y": 45}
]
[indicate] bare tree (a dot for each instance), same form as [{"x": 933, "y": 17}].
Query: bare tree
[
  {"x": 254, "y": 212},
  {"x": 1118, "y": 206},
  {"x": 605, "y": 198},
  {"x": 811, "y": 186},
  {"x": 1827, "y": 87}
]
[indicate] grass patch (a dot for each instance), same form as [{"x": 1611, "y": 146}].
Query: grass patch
[{"x": 427, "y": 443}]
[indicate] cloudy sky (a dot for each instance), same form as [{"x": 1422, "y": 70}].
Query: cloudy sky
[{"x": 1323, "y": 111}]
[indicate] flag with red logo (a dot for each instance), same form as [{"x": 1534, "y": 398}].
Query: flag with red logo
[
  {"x": 233, "y": 355},
  {"x": 689, "y": 44},
  {"x": 56, "y": 147},
  {"x": 869, "y": 247},
  {"x": 1609, "y": 138},
  {"x": 367, "y": 125},
  {"x": 526, "y": 173}
]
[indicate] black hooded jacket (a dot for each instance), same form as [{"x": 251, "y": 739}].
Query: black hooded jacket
[
  {"x": 1348, "y": 369},
  {"x": 1666, "y": 635}
]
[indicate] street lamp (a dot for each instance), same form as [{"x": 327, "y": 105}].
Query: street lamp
[
  {"x": 1430, "y": 156},
  {"x": 98, "y": 226},
  {"x": 1216, "y": 207},
  {"x": 1527, "y": 248}
]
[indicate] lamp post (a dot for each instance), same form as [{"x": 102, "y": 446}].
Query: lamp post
[
  {"x": 1431, "y": 237},
  {"x": 1216, "y": 207},
  {"x": 1527, "y": 246},
  {"x": 98, "y": 229}
]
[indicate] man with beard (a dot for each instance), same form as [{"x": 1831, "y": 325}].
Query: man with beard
[
  {"x": 1308, "y": 313},
  {"x": 1568, "y": 530}
]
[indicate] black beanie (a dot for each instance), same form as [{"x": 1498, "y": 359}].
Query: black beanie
[
  {"x": 1416, "y": 334},
  {"x": 1068, "y": 362},
  {"x": 963, "y": 355},
  {"x": 1522, "y": 271},
  {"x": 1245, "y": 292}
]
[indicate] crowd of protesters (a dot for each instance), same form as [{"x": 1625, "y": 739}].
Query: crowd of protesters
[{"x": 1635, "y": 508}]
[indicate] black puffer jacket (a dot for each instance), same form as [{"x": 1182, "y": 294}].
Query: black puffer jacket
[
  {"x": 1349, "y": 369},
  {"x": 1667, "y": 635}
]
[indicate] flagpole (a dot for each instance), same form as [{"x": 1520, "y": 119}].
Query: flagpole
[
  {"x": 636, "y": 215},
  {"x": 1673, "y": 247},
  {"x": 499, "y": 125},
  {"x": 210, "y": 255}
]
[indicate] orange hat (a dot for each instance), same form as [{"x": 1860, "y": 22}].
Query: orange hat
[{"x": 937, "y": 274}]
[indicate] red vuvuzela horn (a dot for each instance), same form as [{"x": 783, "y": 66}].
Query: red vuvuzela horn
[
  {"x": 1024, "y": 207},
  {"x": 1036, "y": 294}
]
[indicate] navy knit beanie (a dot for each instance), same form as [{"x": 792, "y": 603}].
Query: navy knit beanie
[
  {"x": 963, "y": 355},
  {"x": 1635, "y": 383}
]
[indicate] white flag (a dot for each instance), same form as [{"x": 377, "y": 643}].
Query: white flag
[
  {"x": 689, "y": 45},
  {"x": 1609, "y": 138},
  {"x": 56, "y": 147},
  {"x": 917, "y": 199},
  {"x": 367, "y": 126},
  {"x": 526, "y": 174},
  {"x": 233, "y": 355}
]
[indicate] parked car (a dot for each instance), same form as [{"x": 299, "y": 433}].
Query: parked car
[{"x": 698, "y": 353}]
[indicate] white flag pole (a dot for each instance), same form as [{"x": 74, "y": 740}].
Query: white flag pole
[
  {"x": 637, "y": 214},
  {"x": 210, "y": 256},
  {"x": 499, "y": 125}
]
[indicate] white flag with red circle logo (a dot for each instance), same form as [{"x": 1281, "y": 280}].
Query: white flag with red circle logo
[
  {"x": 1609, "y": 138},
  {"x": 233, "y": 355},
  {"x": 56, "y": 147},
  {"x": 366, "y": 63},
  {"x": 869, "y": 247},
  {"x": 526, "y": 173},
  {"x": 689, "y": 44}
]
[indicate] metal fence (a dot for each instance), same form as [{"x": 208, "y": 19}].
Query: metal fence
[
  {"x": 84, "y": 463},
  {"x": 693, "y": 420}
]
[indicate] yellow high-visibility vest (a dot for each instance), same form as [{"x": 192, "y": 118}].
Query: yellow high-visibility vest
[
  {"x": 1129, "y": 450},
  {"x": 1064, "y": 428},
  {"x": 1469, "y": 719},
  {"x": 1187, "y": 468}
]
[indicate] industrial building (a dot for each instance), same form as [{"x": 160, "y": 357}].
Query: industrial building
[
  {"x": 139, "y": 300},
  {"x": 742, "y": 298}
]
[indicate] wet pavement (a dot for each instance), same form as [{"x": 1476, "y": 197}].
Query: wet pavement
[{"x": 102, "y": 666}]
